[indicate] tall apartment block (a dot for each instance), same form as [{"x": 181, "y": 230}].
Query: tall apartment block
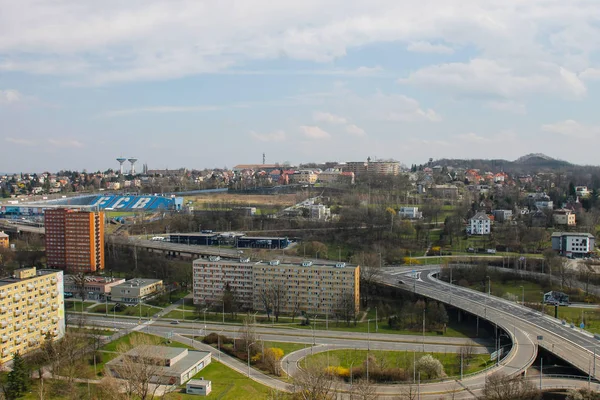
[
  {"x": 306, "y": 286},
  {"x": 74, "y": 240},
  {"x": 31, "y": 310}
]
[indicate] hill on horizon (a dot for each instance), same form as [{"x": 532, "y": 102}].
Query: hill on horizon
[{"x": 534, "y": 162}]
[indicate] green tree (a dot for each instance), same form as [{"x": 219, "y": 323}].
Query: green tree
[{"x": 17, "y": 381}]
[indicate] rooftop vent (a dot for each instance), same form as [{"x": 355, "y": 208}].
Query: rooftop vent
[
  {"x": 274, "y": 262},
  {"x": 340, "y": 265},
  {"x": 214, "y": 258},
  {"x": 307, "y": 263},
  {"x": 245, "y": 260}
]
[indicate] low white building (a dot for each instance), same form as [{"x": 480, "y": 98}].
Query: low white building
[
  {"x": 198, "y": 386},
  {"x": 410, "y": 213},
  {"x": 480, "y": 224}
]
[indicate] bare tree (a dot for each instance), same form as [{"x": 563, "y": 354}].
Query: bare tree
[
  {"x": 346, "y": 307},
  {"x": 363, "y": 389},
  {"x": 295, "y": 305},
  {"x": 501, "y": 387},
  {"x": 247, "y": 335},
  {"x": 467, "y": 351},
  {"x": 138, "y": 365},
  {"x": 314, "y": 383},
  {"x": 278, "y": 295}
]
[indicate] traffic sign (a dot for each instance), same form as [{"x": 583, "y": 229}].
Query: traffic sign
[
  {"x": 582, "y": 325},
  {"x": 540, "y": 337}
]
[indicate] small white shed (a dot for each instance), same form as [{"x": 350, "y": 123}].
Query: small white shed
[{"x": 198, "y": 386}]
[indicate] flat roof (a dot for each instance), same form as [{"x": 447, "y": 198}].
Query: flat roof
[
  {"x": 9, "y": 280},
  {"x": 138, "y": 282},
  {"x": 330, "y": 264},
  {"x": 198, "y": 382},
  {"x": 559, "y": 234},
  {"x": 192, "y": 358},
  {"x": 262, "y": 238},
  {"x": 163, "y": 352},
  {"x": 194, "y": 234}
]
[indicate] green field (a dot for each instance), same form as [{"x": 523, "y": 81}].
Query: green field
[
  {"x": 74, "y": 305},
  {"x": 398, "y": 359},
  {"x": 227, "y": 384},
  {"x": 147, "y": 311},
  {"x": 591, "y": 317},
  {"x": 114, "y": 345},
  {"x": 533, "y": 291},
  {"x": 103, "y": 332}
]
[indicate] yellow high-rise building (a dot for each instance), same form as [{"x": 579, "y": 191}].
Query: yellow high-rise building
[{"x": 31, "y": 309}]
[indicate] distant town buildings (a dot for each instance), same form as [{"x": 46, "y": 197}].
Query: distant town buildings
[
  {"x": 4, "y": 240},
  {"x": 372, "y": 167},
  {"x": 410, "y": 213},
  {"x": 564, "y": 217},
  {"x": 480, "y": 224},
  {"x": 573, "y": 244},
  {"x": 305, "y": 287},
  {"x": 31, "y": 309},
  {"x": 74, "y": 240}
]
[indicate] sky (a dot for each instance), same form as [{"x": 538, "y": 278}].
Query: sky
[{"x": 204, "y": 84}]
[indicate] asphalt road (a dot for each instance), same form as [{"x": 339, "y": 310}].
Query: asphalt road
[{"x": 522, "y": 323}]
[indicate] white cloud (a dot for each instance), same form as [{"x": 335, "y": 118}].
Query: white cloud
[
  {"x": 118, "y": 41},
  {"x": 508, "y": 106},
  {"x": 10, "y": 96},
  {"x": 573, "y": 129},
  {"x": 472, "y": 138},
  {"x": 329, "y": 118},
  {"x": 277, "y": 136},
  {"x": 314, "y": 132},
  {"x": 159, "y": 110},
  {"x": 20, "y": 141},
  {"x": 397, "y": 107},
  {"x": 590, "y": 74},
  {"x": 427, "y": 47},
  {"x": 355, "y": 130},
  {"x": 65, "y": 143},
  {"x": 493, "y": 78}
]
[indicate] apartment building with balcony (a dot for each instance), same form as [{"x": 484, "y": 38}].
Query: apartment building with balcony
[
  {"x": 31, "y": 310},
  {"x": 212, "y": 275},
  {"x": 307, "y": 287},
  {"x": 74, "y": 240}
]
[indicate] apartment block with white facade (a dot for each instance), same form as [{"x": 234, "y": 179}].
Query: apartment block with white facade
[
  {"x": 410, "y": 213},
  {"x": 308, "y": 287},
  {"x": 211, "y": 276}
]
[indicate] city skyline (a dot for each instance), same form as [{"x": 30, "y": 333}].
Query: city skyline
[{"x": 203, "y": 85}]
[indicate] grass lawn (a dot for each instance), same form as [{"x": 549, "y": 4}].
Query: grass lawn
[
  {"x": 321, "y": 324},
  {"x": 400, "y": 359},
  {"x": 112, "y": 346},
  {"x": 74, "y": 305},
  {"x": 227, "y": 384},
  {"x": 147, "y": 311},
  {"x": 104, "y": 332},
  {"x": 532, "y": 290},
  {"x": 591, "y": 317}
]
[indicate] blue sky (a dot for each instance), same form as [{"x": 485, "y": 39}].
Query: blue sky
[{"x": 211, "y": 84}]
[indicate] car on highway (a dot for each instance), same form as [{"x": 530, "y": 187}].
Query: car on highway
[
  {"x": 401, "y": 282},
  {"x": 174, "y": 322}
]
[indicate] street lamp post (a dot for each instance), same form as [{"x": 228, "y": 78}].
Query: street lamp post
[
  {"x": 489, "y": 285},
  {"x": 376, "y": 321},
  {"x": 351, "y": 364},
  {"x": 249, "y": 345},
  {"x": 522, "y": 295}
]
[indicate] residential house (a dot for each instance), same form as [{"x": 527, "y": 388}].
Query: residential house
[
  {"x": 480, "y": 224},
  {"x": 564, "y": 217}
]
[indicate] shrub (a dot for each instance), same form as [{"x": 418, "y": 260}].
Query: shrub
[
  {"x": 429, "y": 367},
  {"x": 211, "y": 338}
]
